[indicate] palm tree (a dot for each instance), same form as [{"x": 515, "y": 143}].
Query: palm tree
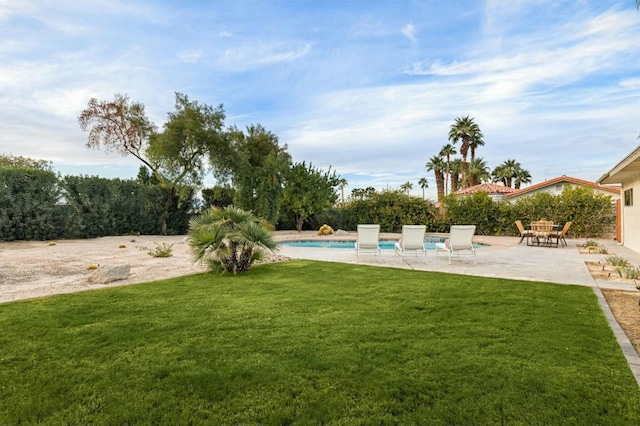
[
  {"x": 437, "y": 165},
  {"x": 423, "y": 184},
  {"x": 229, "y": 239},
  {"x": 478, "y": 140},
  {"x": 465, "y": 131},
  {"x": 447, "y": 151},
  {"x": 456, "y": 168},
  {"x": 342, "y": 182},
  {"x": 506, "y": 172},
  {"x": 357, "y": 193},
  {"x": 522, "y": 176},
  {"x": 406, "y": 187},
  {"x": 478, "y": 171}
]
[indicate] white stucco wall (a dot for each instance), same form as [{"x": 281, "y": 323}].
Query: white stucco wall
[{"x": 631, "y": 216}]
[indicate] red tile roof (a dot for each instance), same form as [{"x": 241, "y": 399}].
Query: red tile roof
[
  {"x": 563, "y": 178},
  {"x": 490, "y": 188}
]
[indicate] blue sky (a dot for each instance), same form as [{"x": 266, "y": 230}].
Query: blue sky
[{"x": 367, "y": 87}]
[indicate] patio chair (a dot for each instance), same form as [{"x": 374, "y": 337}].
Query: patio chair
[
  {"x": 459, "y": 242},
  {"x": 412, "y": 241},
  {"x": 560, "y": 236},
  {"x": 367, "y": 240},
  {"x": 524, "y": 233}
]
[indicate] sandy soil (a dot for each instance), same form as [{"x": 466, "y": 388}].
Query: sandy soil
[{"x": 36, "y": 269}]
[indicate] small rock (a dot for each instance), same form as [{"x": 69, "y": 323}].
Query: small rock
[
  {"x": 106, "y": 274},
  {"x": 341, "y": 232}
]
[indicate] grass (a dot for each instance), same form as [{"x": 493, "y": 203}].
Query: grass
[{"x": 315, "y": 343}]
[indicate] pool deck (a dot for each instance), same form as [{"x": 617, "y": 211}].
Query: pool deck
[{"x": 502, "y": 258}]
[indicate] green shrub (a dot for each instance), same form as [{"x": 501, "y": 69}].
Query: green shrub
[
  {"x": 160, "y": 250},
  {"x": 616, "y": 261},
  {"x": 629, "y": 272}
]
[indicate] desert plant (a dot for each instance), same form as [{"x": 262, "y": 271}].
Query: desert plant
[
  {"x": 229, "y": 239},
  {"x": 629, "y": 272},
  {"x": 161, "y": 250},
  {"x": 591, "y": 243},
  {"x": 616, "y": 261}
]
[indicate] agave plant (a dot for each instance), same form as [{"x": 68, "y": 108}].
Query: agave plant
[{"x": 229, "y": 239}]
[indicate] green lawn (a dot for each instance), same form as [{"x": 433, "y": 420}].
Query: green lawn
[{"x": 309, "y": 342}]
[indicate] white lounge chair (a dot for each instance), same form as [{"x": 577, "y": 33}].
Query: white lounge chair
[
  {"x": 459, "y": 242},
  {"x": 367, "y": 240},
  {"x": 412, "y": 241}
]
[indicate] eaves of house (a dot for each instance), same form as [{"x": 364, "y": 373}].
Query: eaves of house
[
  {"x": 559, "y": 180},
  {"x": 626, "y": 170}
]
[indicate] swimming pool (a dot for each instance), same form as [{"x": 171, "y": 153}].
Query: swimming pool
[{"x": 429, "y": 242}]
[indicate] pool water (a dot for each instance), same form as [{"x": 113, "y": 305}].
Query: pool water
[{"x": 430, "y": 244}]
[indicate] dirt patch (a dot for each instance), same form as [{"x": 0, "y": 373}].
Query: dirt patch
[
  {"x": 36, "y": 268},
  {"x": 624, "y": 305}
]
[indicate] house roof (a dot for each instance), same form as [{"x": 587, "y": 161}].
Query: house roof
[
  {"x": 563, "y": 178},
  {"x": 491, "y": 188},
  {"x": 625, "y": 170}
]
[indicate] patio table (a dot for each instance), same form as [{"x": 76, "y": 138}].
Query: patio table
[{"x": 543, "y": 233}]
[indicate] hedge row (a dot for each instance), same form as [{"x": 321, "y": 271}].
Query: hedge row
[
  {"x": 39, "y": 205},
  {"x": 592, "y": 214}
]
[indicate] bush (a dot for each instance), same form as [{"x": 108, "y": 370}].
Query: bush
[{"x": 160, "y": 250}]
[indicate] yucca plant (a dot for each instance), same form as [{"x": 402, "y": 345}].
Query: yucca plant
[
  {"x": 229, "y": 239},
  {"x": 616, "y": 261}
]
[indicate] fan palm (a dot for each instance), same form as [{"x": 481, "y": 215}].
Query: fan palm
[
  {"x": 342, "y": 182},
  {"x": 478, "y": 171},
  {"x": 437, "y": 165},
  {"x": 229, "y": 239},
  {"x": 465, "y": 131},
  {"x": 522, "y": 176},
  {"x": 447, "y": 151},
  {"x": 423, "y": 184}
]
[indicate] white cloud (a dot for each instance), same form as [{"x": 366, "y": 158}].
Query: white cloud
[
  {"x": 409, "y": 31},
  {"x": 190, "y": 56},
  {"x": 249, "y": 56}
]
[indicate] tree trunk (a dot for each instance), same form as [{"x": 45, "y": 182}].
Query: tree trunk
[
  {"x": 440, "y": 185},
  {"x": 299, "y": 222},
  {"x": 454, "y": 182},
  {"x": 165, "y": 212}
]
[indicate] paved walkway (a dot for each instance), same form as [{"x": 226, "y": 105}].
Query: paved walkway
[{"x": 503, "y": 258}]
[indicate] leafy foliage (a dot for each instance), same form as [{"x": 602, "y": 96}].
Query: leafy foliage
[
  {"x": 29, "y": 207},
  {"x": 175, "y": 156},
  {"x": 257, "y": 167},
  {"x": 307, "y": 191},
  {"x": 160, "y": 250},
  {"x": 228, "y": 239},
  {"x": 219, "y": 196},
  {"x": 478, "y": 209},
  {"x": 390, "y": 209}
]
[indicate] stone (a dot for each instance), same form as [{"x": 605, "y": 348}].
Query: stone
[
  {"x": 106, "y": 274},
  {"x": 341, "y": 232}
]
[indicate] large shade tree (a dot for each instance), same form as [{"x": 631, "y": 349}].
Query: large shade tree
[
  {"x": 175, "y": 157},
  {"x": 307, "y": 191},
  {"x": 465, "y": 131},
  {"x": 257, "y": 170}
]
